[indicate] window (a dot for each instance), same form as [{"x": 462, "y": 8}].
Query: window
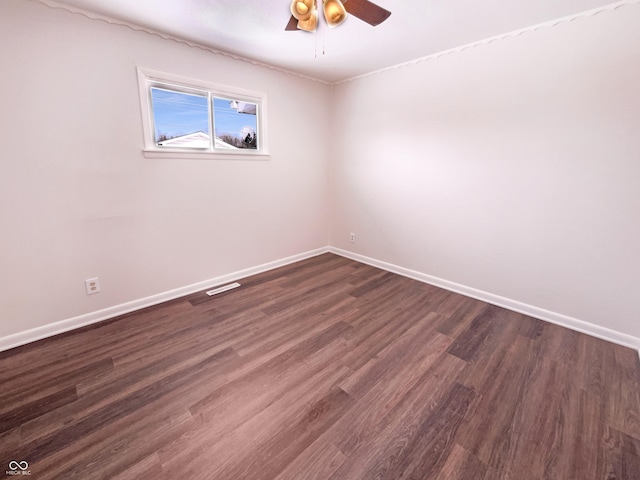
[{"x": 194, "y": 119}]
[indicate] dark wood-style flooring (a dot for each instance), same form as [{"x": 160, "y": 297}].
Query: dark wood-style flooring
[{"x": 324, "y": 369}]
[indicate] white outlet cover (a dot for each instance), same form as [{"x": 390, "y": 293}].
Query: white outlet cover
[{"x": 92, "y": 285}]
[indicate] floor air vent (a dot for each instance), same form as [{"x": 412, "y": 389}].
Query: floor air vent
[{"x": 225, "y": 288}]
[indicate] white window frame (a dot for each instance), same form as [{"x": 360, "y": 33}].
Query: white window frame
[{"x": 151, "y": 78}]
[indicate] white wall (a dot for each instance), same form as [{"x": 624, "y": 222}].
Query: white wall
[
  {"x": 512, "y": 168},
  {"x": 78, "y": 199}
]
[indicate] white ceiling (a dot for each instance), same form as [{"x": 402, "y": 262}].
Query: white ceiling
[{"x": 255, "y": 29}]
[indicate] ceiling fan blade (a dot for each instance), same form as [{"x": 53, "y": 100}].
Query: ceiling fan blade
[
  {"x": 367, "y": 11},
  {"x": 293, "y": 24}
]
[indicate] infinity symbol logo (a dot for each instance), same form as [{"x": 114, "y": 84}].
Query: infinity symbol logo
[{"x": 13, "y": 465}]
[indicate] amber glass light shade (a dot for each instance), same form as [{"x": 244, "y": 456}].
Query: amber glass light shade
[
  {"x": 334, "y": 12},
  {"x": 302, "y": 9},
  {"x": 311, "y": 23}
]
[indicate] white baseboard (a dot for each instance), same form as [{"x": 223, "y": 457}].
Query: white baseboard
[
  {"x": 62, "y": 326},
  {"x": 530, "y": 310},
  {"x": 38, "y": 333}
]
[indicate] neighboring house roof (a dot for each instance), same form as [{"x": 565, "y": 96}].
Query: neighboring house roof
[{"x": 194, "y": 140}]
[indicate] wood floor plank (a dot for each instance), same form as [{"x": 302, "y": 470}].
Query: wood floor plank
[
  {"x": 34, "y": 409},
  {"x": 234, "y": 436},
  {"x": 240, "y": 401},
  {"x": 380, "y": 332},
  {"x": 375, "y": 283},
  {"x": 610, "y": 375},
  {"x": 148, "y": 467},
  {"x": 125, "y": 381},
  {"x": 581, "y": 426},
  {"x": 430, "y": 447},
  {"x": 459, "y": 315},
  {"x": 275, "y": 367},
  {"x": 118, "y": 409},
  {"x": 461, "y": 465},
  {"x": 483, "y": 333},
  {"x": 417, "y": 443},
  {"x": 272, "y": 457},
  {"x": 110, "y": 451},
  {"x": 493, "y": 431},
  {"x": 621, "y": 457},
  {"x": 283, "y": 331},
  {"x": 37, "y": 384},
  {"x": 324, "y": 368},
  {"x": 83, "y": 343},
  {"x": 400, "y": 359},
  {"x": 318, "y": 462},
  {"x": 389, "y": 402}
]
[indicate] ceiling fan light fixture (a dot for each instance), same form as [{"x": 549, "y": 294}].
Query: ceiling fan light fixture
[
  {"x": 302, "y": 9},
  {"x": 311, "y": 23},
  {"x": 334, "y": 12}
]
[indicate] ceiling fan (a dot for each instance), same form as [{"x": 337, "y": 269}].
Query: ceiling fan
[{"x": 304, "y": 13}]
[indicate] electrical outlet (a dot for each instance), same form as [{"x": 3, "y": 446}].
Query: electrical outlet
[
  {"x": 92, "y": 285},
  {"x": 352, "y": 237}
]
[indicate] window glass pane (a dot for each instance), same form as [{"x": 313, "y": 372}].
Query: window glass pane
[
  {"x": 181, "y": 120},
  {"x": 235, "y": 123}
]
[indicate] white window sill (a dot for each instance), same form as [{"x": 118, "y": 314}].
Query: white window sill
[{"x": 204, "y": 155}]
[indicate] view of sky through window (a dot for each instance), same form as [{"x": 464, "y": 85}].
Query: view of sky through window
[
  {"x": 177, "y": 114},
  {"x": 235, "y": 122}
]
